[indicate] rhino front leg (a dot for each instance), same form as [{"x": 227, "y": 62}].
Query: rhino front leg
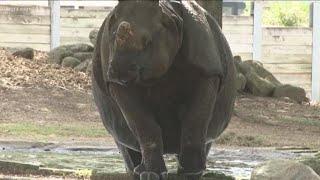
[
  {"x": 143, "y": 125},
  {"x": 193, "y": 151}
]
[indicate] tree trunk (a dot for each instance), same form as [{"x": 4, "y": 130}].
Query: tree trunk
[{"x": 214, "y": 7}]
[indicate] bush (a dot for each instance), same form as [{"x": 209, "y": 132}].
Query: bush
[{"x": 287, "y": 14}]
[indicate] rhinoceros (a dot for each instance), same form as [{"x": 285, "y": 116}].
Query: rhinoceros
[{"x": 164, "y": 83}]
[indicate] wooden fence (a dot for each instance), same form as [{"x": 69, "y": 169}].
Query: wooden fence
[
  {"x": 30, "y": 26},
  {"x": 286, "y": 52}
]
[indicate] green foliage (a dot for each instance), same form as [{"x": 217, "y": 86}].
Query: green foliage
[
  {"x": 287, "y": 13},
  {"x": 247, "y": 10}
]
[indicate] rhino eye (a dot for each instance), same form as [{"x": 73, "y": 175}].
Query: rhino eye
[{"x": 113, "y": 34}]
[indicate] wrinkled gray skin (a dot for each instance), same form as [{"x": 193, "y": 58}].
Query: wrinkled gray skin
[{"x": 163, "y": 81}]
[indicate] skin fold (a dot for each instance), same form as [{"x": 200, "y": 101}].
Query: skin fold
[{"x": 163, "y": 81}]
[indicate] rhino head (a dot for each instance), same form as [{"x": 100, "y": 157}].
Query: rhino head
[{"x": 144, "y": 38}]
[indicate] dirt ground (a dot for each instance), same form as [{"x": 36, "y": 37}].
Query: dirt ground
[
  {"x": 38, "y": 114},
  {"x": 47, "y": 103}
]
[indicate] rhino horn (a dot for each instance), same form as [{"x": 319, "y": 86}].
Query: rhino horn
[
  {"x": 124, "y": 34},
  {"x": 126, "y": 38}
]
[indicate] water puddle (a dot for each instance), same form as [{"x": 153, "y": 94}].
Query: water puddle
[{"x": 237, "y": 162}]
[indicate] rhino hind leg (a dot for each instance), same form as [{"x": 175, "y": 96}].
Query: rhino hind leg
[{"x": 131, "y": 158}]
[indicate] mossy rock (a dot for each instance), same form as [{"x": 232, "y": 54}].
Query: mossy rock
[
  {"x": 284, "y": 170},
  {"x": 237, "y": 62},
  {"x": 89, "y": 68},
  {"x": 82, "y": 56},
  {"x": 217, "y": 176},
  {"x": 259, "y": 86},
  {"x": 27, "y": 53},
  {"x": 313, "y": 162},
  {"x": 257, "y": 67},
  {"x": 295, "y": 93},
  {"x": 241, "y": 82},
  {"x": 70, "y": 62},
  {"x": 58, "y": 54},
  {"x": 93, "y": 36},
  {"x": 82, "y": 67},
  {"x": 75, "y": 48}
]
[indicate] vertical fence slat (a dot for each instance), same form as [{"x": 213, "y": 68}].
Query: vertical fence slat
[
  {"x": 55, "y": 23},
  {"x": 257, "y": 31},
  {"x": 316, "y": 53}
]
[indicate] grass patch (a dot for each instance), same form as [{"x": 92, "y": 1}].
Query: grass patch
[
  {"x": 231, "y": 138},
  {"x": 44, "y": 131},
  {"x": 301, "y": 121}
]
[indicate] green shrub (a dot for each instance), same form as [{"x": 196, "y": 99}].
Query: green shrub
[{"x": 287, "y": 13}]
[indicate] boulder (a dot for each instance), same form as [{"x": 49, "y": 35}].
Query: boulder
[
  {"x": 58, "y": 54},
  {"x": 258, "y": 86},
  {"x": 283, "y": 170},
  {"x": 237, "y": 62},
  {"x": 70, "y": 62},
  {"x": 75, "y": 48},
  {"x": 241, "y": 82},
  {"x": 257, "y": 67},
  {"x": 82, "y": 56},
  {"x": 93, "y": 36},
  {"x": 26, "y": 53},
  {"x": 295, "y": 93},
  {"x": 83, "y": 66},
  {"x": 313, "y": 162},
  {"x": 89, "y": 68}
]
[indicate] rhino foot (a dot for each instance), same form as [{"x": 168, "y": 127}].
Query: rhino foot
[
  {"x": 190, "y": 175},
  {"x": 142, "y": 174},
  {"x": 153, "y": 176},
  {"x": 149, "y": 176}
]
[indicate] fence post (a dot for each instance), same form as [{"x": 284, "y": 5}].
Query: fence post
[
  {"x": 55, "y": 23},
  {"x": 316, "y": 53},
  {"x": 257, "y": 30}
]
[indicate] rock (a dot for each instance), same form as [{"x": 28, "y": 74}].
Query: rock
[
  {"x": 217, "y": 176},
  {"x": 295, "y": 93},
  {"x": 70, "y": 62},
  {"x": 313, "y": 162},
  {"x": 75, "y": 48},
  {"x": 93, "y": 36},
  {"x": 82, "y": 56},
  {"x": 83, "y": 66},
  {"x": 27, "y": 53},
  {"x": 258, "y": 86},
  {"x": 283, "y": 170},
  {"x": 89, "y": 68},
  {"x": 241, "y": 82},
  {"x": 257, "y": 67},
  {"x": 237, "y": 62},
  {"x": 58, "y": 54},
  {"x": 248, "y": 66}
]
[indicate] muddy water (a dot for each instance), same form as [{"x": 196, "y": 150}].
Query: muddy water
[{"x": 237, "y": 162}]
